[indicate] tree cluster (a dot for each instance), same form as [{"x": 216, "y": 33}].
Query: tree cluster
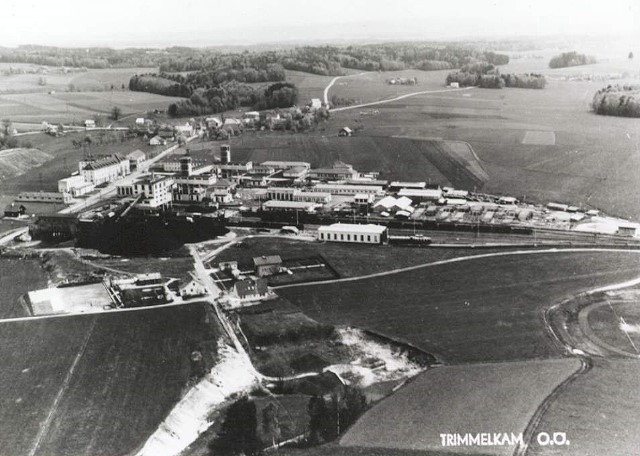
[
  {"x": 494, "y": 80},
  {"x": 568, "y": 59},
  {"x": 623, "y": 101},
  {"x": 328, "y": 419}
]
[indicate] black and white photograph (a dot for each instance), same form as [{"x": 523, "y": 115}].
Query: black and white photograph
[{"x": 336, "y": 228}]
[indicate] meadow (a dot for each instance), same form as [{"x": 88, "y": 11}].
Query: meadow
[
  {"x": 475, "y": 310},
  {"x": 599, "y": 411},
  {"x": 100, "y": 384},
  {"x": 540, "y": 144},
  {"x": 76, "y": 107},
  {"x": 496, "y": 397},
  {"x": 434, "y": 161},
  {"x": 348, "y": 260},
  {"x": 17, "y": 277}
]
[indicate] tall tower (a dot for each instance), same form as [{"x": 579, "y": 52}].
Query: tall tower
[
  {"x": 186, "y": 166},
  {"x": 225, "y": 154}
]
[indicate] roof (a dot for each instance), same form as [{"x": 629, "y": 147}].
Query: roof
[
  {"x": 104, "y": 162},
  {"x": 136, "y": 155},
  {"x": 286, "y": 164},
  {"x": 408, "y": 184},
  {"x": 267, "y": 260},
  {"x": 347, "y": 129},
  {"x": 157, "y": 138},
  {"x": 403, "y": 202},
  {"x": 289, "y": 204},
  {"x": 421, "y": 193},
  {"x": 350, "y": 228},
  {"x": 387, "y": 202},
  {"x": 250, "y": 287}
]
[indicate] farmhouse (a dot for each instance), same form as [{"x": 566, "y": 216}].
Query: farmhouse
[
  {"x": 157, "y": 141},
  {"x": 250, "y": 288},
  {"x": 107, "y": 169},
  {"x": 13, "y": 210},
  {"x": 347, "y": 232},
  {"x": 213, "y": 122},
  {"x": 267, "y": 265},
  {"x": 192, "y": 288},
  {"x": 315, "y": 104},
  {"x": 90, "y": 123}
]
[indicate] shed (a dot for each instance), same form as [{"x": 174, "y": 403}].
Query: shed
[{"x": 345, "y": 131}]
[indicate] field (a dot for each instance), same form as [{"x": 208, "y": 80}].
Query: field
[
  {"x": 75, "y": 107},
  {"x": 18, "y": 276},
  {"x": 487, "y": 309},
  {"x": 58, "y": 80},
  {"x": 434, "y": 161},
  {"x": 540, "y": 144},
  {"x": 460, "y": 399},
  {"x": 66, "y": 382},
  {"x": 309, "y": 85},
  {"x": 347, "y": 260},
  {"x": 599, "y": 411},
  {"x": 14, "y": 162},
  {"x": 616, "y": 324}
]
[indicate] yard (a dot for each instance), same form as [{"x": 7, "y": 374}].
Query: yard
[{"x": 17, "y": 277}]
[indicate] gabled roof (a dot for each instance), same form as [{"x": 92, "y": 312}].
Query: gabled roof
[
  {"x": 267, "y": 260},
  {"x": 104, "y": 162},
  {"x": 250, "y": 287},
  {"x": 136, "y": 155}
]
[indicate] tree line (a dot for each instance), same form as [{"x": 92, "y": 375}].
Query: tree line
[
  {"x": 245, "y": 431},
  {"x": 616, "y": 100},
  {"x": 568, "y": 59},
  {"x": 487, "y": 76}
]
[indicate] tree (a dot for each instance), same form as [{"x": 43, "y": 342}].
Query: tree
[
  {"x": 239, "y": 432},
  {"x": 630, "y": 55},
  {"x": 6, "y": 127},
  {"x": 271, "y": 424},
  {"x": 116, "y": 112}
]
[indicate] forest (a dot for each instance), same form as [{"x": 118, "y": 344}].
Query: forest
[
  {"x": 616, "y": 100},
  {"x": 487, "y": 76},
  {"x": 569, "y": 59}
]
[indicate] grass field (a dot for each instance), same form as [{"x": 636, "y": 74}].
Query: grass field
[
  {"x": 57, "y": 80},
  {"x": 461, "y": 399},
  {"x": 542, "y": 144},
  {"x": 18, "y": 276},
  {"x": 90, "y": 385},
  {"x": 599, "y": 411},
  {"x": 309, "y": 85},
  {"x": 75, "y": 107},
  {"x": 348, "y": 260},
  {"x": 470, "y": 311},
  {"x": 14, "y": 162},
  {"x": 397, "y": 158}
]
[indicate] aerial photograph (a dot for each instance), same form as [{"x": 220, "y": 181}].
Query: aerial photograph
[{"x": 294, "y": 228}]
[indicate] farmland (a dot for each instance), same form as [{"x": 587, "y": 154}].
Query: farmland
[
  {"x": 18, "y": 276},
  {"x": 75, "y": 107},
  {"x": 542, "y": 144},
  {"x": 397, "y": 158},
  {"x": 66, "y": 381},
  {"x": 599, "y": 411},
  {"x": 348, "y": 260},
  {"x": 59, "y": 80},
  {"x": 465, "y": 399},
  {"x": 467, "y": 311}
]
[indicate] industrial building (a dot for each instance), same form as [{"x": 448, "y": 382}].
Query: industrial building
[
  {"x": 295, "y": 194},
  {"x": 104, "y": 170},
  {"x": 154, "y": 190},
  {"x": 289, "y": 206},
  {"x": 353, "y": 233},
  {"x": 339, "y": 171},
  {"x": 349, "y": 190}
]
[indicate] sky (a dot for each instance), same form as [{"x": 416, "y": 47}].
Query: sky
[{"x": 160, "y": 23}]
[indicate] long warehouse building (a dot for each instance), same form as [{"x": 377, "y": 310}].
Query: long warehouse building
[{"x": 354, "y": 233}]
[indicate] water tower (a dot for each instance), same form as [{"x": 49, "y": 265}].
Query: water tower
[{"x": 225, "y": 154}]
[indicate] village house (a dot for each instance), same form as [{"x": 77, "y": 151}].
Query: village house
[
  {"x": 267, "y": 265},
  {"x": 250, "y": 288}
]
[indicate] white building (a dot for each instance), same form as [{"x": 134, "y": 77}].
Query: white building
[
  {"x": 295, "y": 194},
  {"x": 186, "y": 129},
  {"x": 44, "y": 197},
  {"x": 349, "y": 190},
  {"x": 156, "y": 188},
  {"x": 427, "y": 194},
  {"x": 136, "y": 159},
  {"x": 280, "y": 164},
  {"x": 289, "y": 206},
  {"x": 347, "y": 232},
  {"x": 103, "y": 170},
  {"x": 157, "y": 141}
]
